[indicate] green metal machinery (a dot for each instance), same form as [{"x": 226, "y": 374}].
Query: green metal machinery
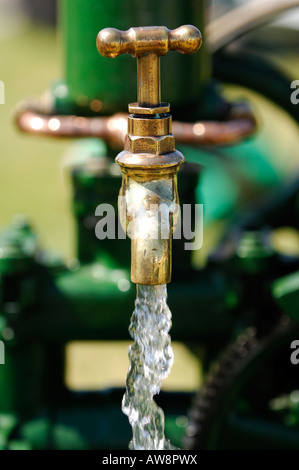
[
  {"x": 81, "y": 56},
  {"x": 247, "y": 292}
]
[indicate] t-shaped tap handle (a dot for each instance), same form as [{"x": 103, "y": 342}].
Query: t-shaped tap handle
[{"x": 148, "y": 44}]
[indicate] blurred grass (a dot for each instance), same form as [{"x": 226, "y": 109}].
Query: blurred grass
[{"x": 31, "y": 177}]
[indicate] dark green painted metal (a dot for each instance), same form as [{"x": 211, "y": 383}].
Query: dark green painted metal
[
  {"x": 20, "y": 283},
  {"x": 253, "y": 255},
  {"x": 89, "y": 76},
  {"x": 233, "y": 431},
  {"x": 17, "y": 247},
  {"x": 8, "y": 423},
  {"x": 254, "y": 433},
  {"x": 21, "y": 379},
  {"x": 88, "y": 304},
  {"x": 90, "y": 190},
  {"x": 87, "y": 421}
]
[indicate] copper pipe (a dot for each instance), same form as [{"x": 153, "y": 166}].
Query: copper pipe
[
  {"x": 113, "y": 129},
  {"x": 213, "y": 133}
]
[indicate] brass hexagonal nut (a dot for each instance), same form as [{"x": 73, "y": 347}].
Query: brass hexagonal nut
[{"x": 152, "y": 145}]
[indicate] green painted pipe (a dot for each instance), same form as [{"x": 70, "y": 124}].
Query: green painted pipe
[{"x": 89, "y": 77}]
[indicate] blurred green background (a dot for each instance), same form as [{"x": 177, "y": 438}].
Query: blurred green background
[{"x": 34, "y": 176}]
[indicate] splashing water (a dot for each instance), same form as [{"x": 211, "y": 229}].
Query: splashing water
[{"x": 151, "y": 358}]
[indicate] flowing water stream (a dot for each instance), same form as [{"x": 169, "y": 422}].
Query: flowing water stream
[{"x": 151, "y": 358}]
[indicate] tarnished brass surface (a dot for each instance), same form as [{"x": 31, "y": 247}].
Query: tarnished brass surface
[
  {"x": 162, "y": 108},
  {"x": 151, "y": 261},
  {"x": 143, "y": 126},
  {"x": 148, "y": 77},
  {"x": 149, "y": 163},
  {"x": 151, "y": 144},
  {"x": 140, "y": 41},
  {"x": 149, "y": 214}
]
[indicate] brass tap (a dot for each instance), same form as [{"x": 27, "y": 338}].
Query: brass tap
[{"x": 149, "y": 163}]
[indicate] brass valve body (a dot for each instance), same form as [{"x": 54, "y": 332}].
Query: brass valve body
[{"x": 149, "y": 207}]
